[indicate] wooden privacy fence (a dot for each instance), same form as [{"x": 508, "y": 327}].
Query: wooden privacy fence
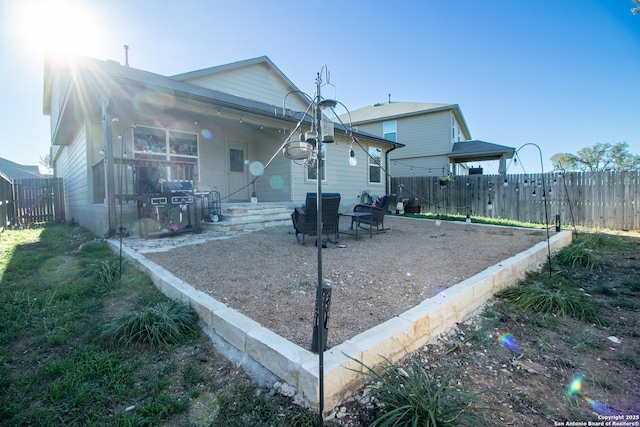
[
  {"x": 38, "y": 200},
  {"x": 590, "y": 199},
  {"x": 6, "y": 196}
]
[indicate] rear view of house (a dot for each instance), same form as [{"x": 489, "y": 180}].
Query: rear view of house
[{"x": 122, "y": 136}]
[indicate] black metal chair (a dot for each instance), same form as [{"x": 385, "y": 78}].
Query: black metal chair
[
  {"x": 377, "y": 211},
  {"x": 304, "y": 218}
]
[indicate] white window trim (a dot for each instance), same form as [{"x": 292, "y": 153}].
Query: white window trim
[
  {"x": 324, "y": 169},
  {"x": 370, "y": 163}
]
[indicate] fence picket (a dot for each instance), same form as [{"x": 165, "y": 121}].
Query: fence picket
[{"x": 588, "y": 199}]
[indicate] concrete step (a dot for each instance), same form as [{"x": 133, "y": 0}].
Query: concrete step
[{"x": 250, "y": 217}]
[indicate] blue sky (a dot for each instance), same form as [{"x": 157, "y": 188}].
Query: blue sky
[{"x": 560, "y": 74}]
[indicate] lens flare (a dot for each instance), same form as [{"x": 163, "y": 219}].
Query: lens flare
[
  {"x": 256, "y": 168},
  {"x": 206, "y": 133},
  {"x": 276, "y": 182},
  {"x": 508, "y": 341},
  {"x": 575, "y": 388}
]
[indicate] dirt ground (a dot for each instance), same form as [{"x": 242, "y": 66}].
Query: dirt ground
[
  {"x": 269, "y": 277},
  {"x": 531, "y": 387},
  {"x": 272, "y": 279}
]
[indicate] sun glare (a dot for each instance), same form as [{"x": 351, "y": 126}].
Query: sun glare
[{"x": 56, "y": 26}]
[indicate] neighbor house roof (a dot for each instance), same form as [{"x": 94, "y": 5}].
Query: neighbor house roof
[
  {"x": 11, "y": 170},
  {"x": 397, "y": 110},
  {"x": 469, "y": 151}
]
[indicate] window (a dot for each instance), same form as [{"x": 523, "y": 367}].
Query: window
[
  {"x": 177, "y": 150},
  {"x": 375, "y": 158},
  {"x": 390, "y": 131},
  {"x": 236, "y": 160},
  {"x": 312, "y": 172}
]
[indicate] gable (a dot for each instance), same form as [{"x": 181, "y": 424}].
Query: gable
[{"x": 258, "y": 80}]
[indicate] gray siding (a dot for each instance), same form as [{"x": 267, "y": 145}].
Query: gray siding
[
  {"x": 419, "y": 166},
  {"x": 258, "y": 82},
  {"x": 72, "y": 166},
  {"x": 427, "y": 138},
  {"x": 342, "y": 178}
]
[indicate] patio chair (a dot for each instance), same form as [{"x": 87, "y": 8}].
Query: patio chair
[
  {"x": 378, "y": 209},
  {"x": 304, "y": 218}
]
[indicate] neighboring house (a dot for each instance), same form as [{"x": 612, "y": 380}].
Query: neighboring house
[
  {"x": 436, "y": 137},
  {"x": 116, "y": 131},
  {"x": 11, "y": 170}
]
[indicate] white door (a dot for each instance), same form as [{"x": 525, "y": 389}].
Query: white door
[{"x": 237, "y": 170}]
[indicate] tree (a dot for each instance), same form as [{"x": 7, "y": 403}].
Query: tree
[
  {"x": 636, "y": 10},
  {"x": 598, "y": 157},
  {"x": 45, "y": 160}
]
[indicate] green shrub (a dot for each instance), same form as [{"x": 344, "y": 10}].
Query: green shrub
[
  {"x": 410, "y": 396},
  {"x": 157, "y": 326},
  {"x": 578, "y": 255},
  {"x": 538, "y": 299}
]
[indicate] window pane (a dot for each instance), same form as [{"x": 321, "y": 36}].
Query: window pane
[
  {"x": 375, "y": 158},
  {"x": 149, "y": 140},
  {"x": 312, "y": 172},
  {"x": 389, "y": 131},
  {"x": 236, "y": 160},
  {"x": 374, "y": 174},
  {"x": 182, "y": 143}
]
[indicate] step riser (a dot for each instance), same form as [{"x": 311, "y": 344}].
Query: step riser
[{"x": 249, "y": 218}]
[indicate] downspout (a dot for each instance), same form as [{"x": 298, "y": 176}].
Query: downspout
[
  {"x": 109, "y": 174},
  {"x": 386, "y": 166}
]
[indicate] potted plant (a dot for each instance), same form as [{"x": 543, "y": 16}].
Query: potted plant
[{"x": 444, "y": 180}]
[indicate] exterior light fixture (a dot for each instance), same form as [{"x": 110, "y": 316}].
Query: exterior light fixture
[
  {"x": 505, "y": 183},
  {"x": 438, "y": 221},
  {"x": 468, "y": 220},
  {"x": 352, "y": 158},
  {"x": 489, "y": 205},
  {"x": 327, "y": 103}
]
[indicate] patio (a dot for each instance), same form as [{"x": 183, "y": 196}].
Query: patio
[{"x": 392, "y": 292}]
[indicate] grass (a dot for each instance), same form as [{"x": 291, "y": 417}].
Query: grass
[
  {"x": 408, "y": 395},
  {"x": 156, "y": 326},
  {"x": 536, "y": 298},
  {"x": 476, "y": 220},
  {"x": 80, "y": 345}
]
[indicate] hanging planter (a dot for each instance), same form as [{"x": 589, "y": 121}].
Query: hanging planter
[{"x": 444, "y": 181}]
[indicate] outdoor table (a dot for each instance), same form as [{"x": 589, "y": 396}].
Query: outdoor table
[{"x": 355, "y": 218}]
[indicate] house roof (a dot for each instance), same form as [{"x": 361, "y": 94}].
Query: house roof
[
  {"x": 397, "y": 110},
  {"x": 471, "y": 151},
  {"x": 112, "y": 71},
  {"x": 11, "y": 170}
]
